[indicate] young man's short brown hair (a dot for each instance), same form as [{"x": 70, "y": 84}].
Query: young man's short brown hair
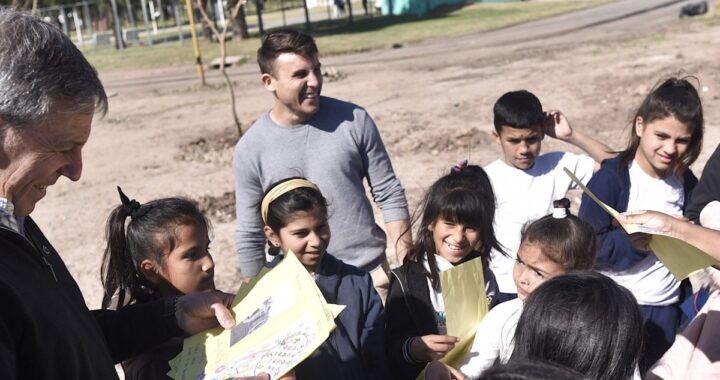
[{"x": 284, "y": 41}]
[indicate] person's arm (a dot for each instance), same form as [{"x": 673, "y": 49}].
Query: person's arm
[
  {"x": 557, "y": 126},
  {"x": 400, "y": 235},
  {"x": 136, "y": 328},
  {"x": 705, "y": 239},
  {"x": 386, "y": 190},
  {"x": 249, "y": 237},
  {"x": 399, "y": 329},
  {"x": 615, "y": 250},
  {"x": 372, "y": 339},
  {"x": 485, "y": 349}
]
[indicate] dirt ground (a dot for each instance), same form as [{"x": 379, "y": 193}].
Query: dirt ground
[{"x": 169, "y": 138}]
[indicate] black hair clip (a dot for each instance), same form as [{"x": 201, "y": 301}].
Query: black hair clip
[{"x": 132, "y": 207}]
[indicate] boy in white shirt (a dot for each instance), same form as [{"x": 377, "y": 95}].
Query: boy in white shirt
[{"x": 525, "y": 182}]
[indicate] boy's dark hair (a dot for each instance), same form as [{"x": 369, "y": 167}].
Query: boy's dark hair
[
  {"x": 465, "y": 196},
  {"x": 148, "y": 235},
  {"x": 583, "y": 321},
  {"x": 530, "y": 370},
  {"x": 518, "y": 109},
  {"x": 299, "y": 199},
  {"x": 568, "y": 242},
  {"x": 673, "y": 97},
  {"x": 284, "y": 41}
]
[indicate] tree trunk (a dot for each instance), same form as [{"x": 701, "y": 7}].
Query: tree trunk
[{"x": 240, "y": 28}]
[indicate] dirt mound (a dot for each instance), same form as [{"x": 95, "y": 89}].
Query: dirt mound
[{"x": 221, "y": 209}]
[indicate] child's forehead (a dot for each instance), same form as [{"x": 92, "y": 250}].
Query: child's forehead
[{"x": 508, "y": 131}]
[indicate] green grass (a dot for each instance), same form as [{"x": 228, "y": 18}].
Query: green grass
[{"x": 337, "y": 37}]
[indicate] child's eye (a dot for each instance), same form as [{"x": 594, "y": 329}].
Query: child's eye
[{"x": 539, "y": 274}]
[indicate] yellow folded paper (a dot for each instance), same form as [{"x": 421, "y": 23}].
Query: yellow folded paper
[
  {"x": 281, "y": 319},
  {"x": 679, "y": 257},
  {"x": 466, "y": 303}
]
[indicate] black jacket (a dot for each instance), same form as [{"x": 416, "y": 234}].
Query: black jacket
[
  {"x": 707, "y": 189},
  {"x": 47, "y": 331}
]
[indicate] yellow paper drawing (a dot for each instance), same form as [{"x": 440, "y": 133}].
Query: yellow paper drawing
[
  {"x": 281, "y": 319},
  {"x": 463, "y": 291},
  {"x": 679, "y": 257}
]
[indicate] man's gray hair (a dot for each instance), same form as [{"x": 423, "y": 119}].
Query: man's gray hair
[{"x": 42, "y": 71}]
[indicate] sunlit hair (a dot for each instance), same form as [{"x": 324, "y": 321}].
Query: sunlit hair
[
  {"x": 568, "y": 242},
  {"x": 42, "y": 72},
  {"x": 583, "y": 321},
  {"x": 284, "y": 41},
  {"x": 673, "y": 97},
  {"x": 464, "y": 197}
]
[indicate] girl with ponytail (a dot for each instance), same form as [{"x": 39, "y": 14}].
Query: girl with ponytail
[{"x": 155, "y": 250}]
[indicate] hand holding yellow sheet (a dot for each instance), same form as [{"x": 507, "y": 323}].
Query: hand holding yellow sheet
[
  {"x": 466, "y": 303},
  {"x": 679, "y": 257},
  {"x": 281, "y": 319}
]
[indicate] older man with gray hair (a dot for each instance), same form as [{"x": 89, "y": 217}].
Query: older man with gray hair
[{"x": 48, "y": 96}]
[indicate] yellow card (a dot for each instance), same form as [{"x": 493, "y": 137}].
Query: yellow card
[
  {"x": 679, "y": 257},
  {"x": 466, "y": 303}
]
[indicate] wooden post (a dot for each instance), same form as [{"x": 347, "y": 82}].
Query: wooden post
[{"x": 196, "y": 45}]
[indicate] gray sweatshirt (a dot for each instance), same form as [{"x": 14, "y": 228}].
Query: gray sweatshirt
[{"x": 336, "y": 149}]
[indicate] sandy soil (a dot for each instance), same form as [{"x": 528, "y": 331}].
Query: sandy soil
[{"x": 169, "y": 138}]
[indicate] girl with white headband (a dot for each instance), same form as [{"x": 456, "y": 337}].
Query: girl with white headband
[{"x": 295, "y": 215}]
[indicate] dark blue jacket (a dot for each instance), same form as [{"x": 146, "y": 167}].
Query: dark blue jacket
[
  {"x": 356, "y": 348},
  {"x": 611, "y": 184},
  {"x": 707, "y": 190}
]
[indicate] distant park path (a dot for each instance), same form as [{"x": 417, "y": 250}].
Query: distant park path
[{"x": 618, "y": 19}]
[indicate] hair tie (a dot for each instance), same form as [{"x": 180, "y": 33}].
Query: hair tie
[
  {"x": 459, "y": 166},
  {"x": 132, "y": 207},
  {"x": 559, "y": 213},
  {"x": 281, "y": 189}
]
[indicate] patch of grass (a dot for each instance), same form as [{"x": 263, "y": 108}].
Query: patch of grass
[{"x": 338, "y": 37}]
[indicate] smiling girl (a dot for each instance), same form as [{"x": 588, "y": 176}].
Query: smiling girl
[
  {"x": 295, "y": 214},
  {"x": 549, "y": 247},
  {"x": 651, "y": 174},
  {"x": 456, "y": 226}
]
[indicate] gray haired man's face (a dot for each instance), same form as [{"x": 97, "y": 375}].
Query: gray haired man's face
[{"x": 33, "y": 159}]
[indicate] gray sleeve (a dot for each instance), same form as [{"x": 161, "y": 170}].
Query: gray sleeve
[
  {"x": 249, "y": 237},
  {"x": 386, "y": 190}
]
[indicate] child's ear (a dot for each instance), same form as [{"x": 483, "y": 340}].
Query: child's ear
[
  {"x": 151, "y": 271},
  {"x": 497, "y": 136},
  {"x": 639, "y": 125},
  {"x": 271, "y": 236},
  {"x": 268, "y": 81}
]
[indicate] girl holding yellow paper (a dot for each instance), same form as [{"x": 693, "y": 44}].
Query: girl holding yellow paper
[
  {"x": 651, "y": 174},
  {"x": 296, "y": 220},
  {"x": 456, "y": 225}
]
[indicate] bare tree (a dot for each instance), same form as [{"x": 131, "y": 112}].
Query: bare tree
[{"x": 223, "y": 53}]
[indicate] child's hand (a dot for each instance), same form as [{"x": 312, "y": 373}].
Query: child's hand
[
  {"x": 432, "y": 347},
  {"x": 557, "y": 126},
  {"x": 440, "y": 371}
]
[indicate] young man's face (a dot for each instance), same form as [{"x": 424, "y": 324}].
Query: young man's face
[
  {"x": 296, "y": 82},
  {"x": 520, "y": 146}
]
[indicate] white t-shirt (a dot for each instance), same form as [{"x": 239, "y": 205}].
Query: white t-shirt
[
  {"x": 649, "y": 280},
  {"x": 527, "y": 195},
  {"x": 494, "y": 338}
]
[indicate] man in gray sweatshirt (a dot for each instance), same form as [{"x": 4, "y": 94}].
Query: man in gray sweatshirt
[{"x": 332, "y": 143}]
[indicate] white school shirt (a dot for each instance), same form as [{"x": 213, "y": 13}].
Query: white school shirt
[
  {"x": 526, "y": 195},
  {"x": 494, "y": 338},
  {"x": 649, "y": 280}
]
